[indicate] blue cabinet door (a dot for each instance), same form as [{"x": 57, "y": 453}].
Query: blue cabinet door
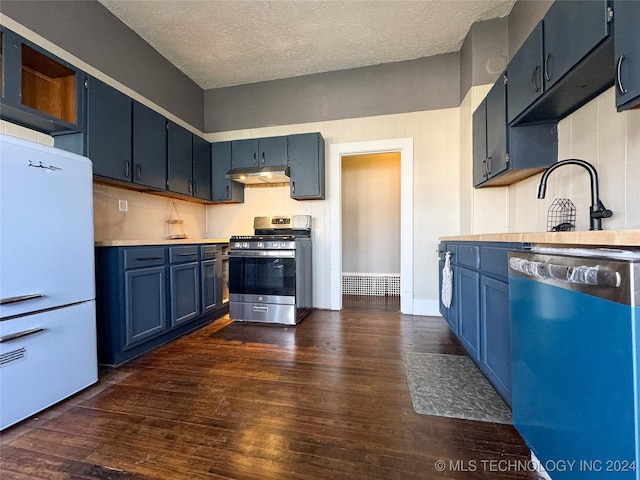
[
  {"x": 180, "y": 159},
  {"x": 272, "y": 151},
  {"x": 497, "y": 147},
  {"x": 208, "y": 283},
  {"x": 496, "y": 334},
  {"x": 468, "y": 304},
  {"x": 184, "y": 280},
  {"x": 306, "y": 161},
  {"x": 149, "y": 147},
  {"x": 525, "y": 74},
  {"x": 145, "y": 300},
  {"x": 223, "y": 189},
  {"x": 244, "y": 153},
  {"x": 480, "y": 144},
  {"x": 627, "y": 46},
  {"x": 572, "y": 28},
  {"x": 201, "y": 168},
  {"x": 109, "y": 131}
]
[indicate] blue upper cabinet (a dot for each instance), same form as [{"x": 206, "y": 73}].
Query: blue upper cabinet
[
  {"x": 244, "y": 153},
  {"x": 39, "y": 90},
  {"x": 627, "y": 45},
  {"x": 497, "y": 142},
  {"x": 480, "y": 143},
  {"x": 565, "y": 45},
  {"x": 306, "y": 161},
  {"x": 503, "y": 154},
  {"x": 272, "y": 151},
  {"x": 564, "y": 63},
  {"x": 259, "y": 152},
  {"x": 180, "y": 159},
  {"x": 525, "y": 74},
  {"x": 149, "y": 147},
  {"x": 109, "y": 131},
  {"x": 201, "y": 168},
  {"x": 223, "y": 190}
]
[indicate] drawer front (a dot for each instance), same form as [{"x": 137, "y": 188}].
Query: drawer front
[
  {"x": 56, "y": 360},
  {"x": 495, "y": 260},
  {"x": 208, "y": 252},
  {"x": 468, "y": 256},
  {"x": 183, "y": 254},
  {"x": 143, "y": 257}
]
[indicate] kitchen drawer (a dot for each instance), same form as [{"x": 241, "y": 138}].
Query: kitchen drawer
[
  {"x": 143, "y": 257},
  {"x": 183, "y": 254},
  {"x": 494, "y": 260},
  {"x": 468, "y": 256},
  {"x": 208, "y": 252},
  {"x": 57, "y": 360}
]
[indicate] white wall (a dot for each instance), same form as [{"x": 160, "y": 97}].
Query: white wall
[
  {"x": 371, "y": 213},
  {"x": 146, "y": 217},
  {"x": 436, "y": 200},
  {"x": 607, "y": 139},
  {"x": 596, "y": 133}
]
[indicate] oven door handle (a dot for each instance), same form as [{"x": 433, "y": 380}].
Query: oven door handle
[{"x": 262, "y": 253}]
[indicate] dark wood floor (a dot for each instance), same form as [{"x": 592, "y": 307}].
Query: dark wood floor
[{"x": 327, "y": 399}]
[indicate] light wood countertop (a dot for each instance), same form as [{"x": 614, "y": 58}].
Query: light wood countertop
[
  {"x": 137, "y": 243},
  {"x": 618, "y": 238}
]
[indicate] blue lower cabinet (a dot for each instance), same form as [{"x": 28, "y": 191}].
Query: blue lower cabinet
[
  {"x": 479, "y": 314},
  {"x": 208, "y": 282},
  {"x": 185, "y": 292},
  {"x": 468, "y": 293},
  {"x": 150, "y": 295},
  {"x": 144, "y": 291},
  {"x": 495, "y": 334}
]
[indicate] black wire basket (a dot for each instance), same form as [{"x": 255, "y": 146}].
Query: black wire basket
[{"x": 561, "y": 216}]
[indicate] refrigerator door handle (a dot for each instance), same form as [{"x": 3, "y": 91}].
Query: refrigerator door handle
[
  {"x": 20, "y": 298},
  {"x": 24, "y": 333}
]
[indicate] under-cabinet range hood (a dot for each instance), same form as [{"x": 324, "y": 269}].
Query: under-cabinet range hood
[{"x": 257, "y": 175}]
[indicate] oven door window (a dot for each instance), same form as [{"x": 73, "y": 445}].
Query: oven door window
[{"x": 262, "y": 276}]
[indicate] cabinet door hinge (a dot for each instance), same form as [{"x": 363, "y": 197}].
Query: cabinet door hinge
[
  {"x": 86, "y": 83},
  {"x": 507, "y": 158},
  {"x": 609, "y": 14},
  {"x": 506, "y": 79}
]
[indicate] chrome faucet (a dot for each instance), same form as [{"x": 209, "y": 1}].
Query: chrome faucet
[{"x": 597, "y": 210}]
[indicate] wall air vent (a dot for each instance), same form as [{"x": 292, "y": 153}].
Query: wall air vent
[{"x": 375, "y": 284}]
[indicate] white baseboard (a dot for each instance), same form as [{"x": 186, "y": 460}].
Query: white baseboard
[{"x": 426, "y": 307}]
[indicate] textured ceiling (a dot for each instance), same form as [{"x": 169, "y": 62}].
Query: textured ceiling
[{"x": 220, "y": 43}]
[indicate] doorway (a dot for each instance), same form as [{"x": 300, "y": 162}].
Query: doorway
[
  {"x": 371, "y": 231},
  {"x": 404, "y": 147}
]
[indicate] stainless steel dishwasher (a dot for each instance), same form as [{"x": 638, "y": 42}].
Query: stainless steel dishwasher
[{"x": 575, "y": 333}]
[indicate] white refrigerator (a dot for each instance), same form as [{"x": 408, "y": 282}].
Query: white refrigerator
[{"x": 47, "y": 285}]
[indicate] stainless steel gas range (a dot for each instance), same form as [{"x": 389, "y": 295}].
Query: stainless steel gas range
[{"x": 270, "y": 272}]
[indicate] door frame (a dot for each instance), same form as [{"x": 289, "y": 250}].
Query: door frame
[{"x": 337, "y": 150}]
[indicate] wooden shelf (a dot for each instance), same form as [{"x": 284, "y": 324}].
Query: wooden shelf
[{"x": 48, "y": 86}]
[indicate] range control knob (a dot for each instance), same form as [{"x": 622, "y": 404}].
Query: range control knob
[
  {"x": 260, "y": 245},
  {"x": 237, "y": 245},
  {"x": 245, "y": 244}
]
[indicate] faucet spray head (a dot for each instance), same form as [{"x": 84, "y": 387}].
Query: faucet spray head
[{"x": 542, "y": 188}]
